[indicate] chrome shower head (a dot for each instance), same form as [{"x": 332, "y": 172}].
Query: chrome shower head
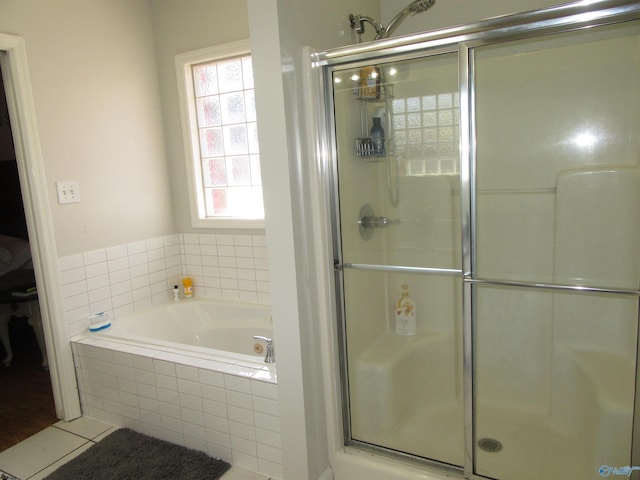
[
  {"x": 415, "y": 7},
  {"x": 420, "y": 6}
]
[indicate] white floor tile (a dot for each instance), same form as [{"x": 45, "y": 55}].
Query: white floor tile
[
  {"x": 43, "y": 473},
  {"x": 86, "y": 427},
  {"x": 38, "y": 452},
  {"x": 236, "y": 473}
]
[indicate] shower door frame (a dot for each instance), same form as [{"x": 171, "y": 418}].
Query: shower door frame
[{"x": 461, "y": 40}]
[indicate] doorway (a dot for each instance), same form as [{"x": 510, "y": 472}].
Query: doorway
[
  {"x": 15, "y": 71},
  {"x": 27, "y": 405}
]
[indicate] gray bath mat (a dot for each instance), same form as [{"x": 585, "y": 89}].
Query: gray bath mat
[{"x": 128, "y": 455}]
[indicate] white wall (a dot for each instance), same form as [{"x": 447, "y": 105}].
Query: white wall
[{"x": 96, "y": 97}]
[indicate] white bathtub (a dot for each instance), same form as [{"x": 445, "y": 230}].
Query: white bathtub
[
  {"x": 185, "y": 372},
  {"x": 203, "y": 326}
]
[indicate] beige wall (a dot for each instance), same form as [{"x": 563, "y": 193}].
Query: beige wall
[
  {"x": 182, "y": 26},
  {"x": 96, "y": 95},
  {"x": 447, "y": 13}
]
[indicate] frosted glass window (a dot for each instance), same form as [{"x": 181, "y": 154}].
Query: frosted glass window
[
  {"x": 209, "y": 111},
  {"x": 230, "y": 75},
  {"x": 232, "y": 108},
  {"x": 228, "y": 138},
  {"x": 426, "y": 127}
]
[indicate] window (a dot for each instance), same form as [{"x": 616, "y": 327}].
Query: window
[
  {"x": 221, "y": 137},
  {"x": 426, "y": 133}
]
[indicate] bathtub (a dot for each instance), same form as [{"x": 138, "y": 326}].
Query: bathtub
[
  {"x": 216, "y": 328},
  {"x": 186, "y": 372}
]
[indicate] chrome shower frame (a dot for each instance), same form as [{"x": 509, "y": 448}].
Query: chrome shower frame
[{"x": 461, "y": 40}]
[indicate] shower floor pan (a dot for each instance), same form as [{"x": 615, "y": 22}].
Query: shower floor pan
[{"x": 422, "y": 414}]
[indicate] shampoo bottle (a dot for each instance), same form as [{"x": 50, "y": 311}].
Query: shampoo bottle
[
  {"x": 377, "y": 136},
  {"x": 405, "y": 314}
]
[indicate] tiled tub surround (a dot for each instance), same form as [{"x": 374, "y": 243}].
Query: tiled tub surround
[
  {"x": 125, "y": 278},
  {"x": 225, "y": 408}
]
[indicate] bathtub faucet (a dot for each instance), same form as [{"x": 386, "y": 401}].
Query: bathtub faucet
[{"x": 270, "y": 356}]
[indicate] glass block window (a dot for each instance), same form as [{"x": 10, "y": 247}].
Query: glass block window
[
  {"x": 228, "y": 138},
  {"x": 426, "y": 131}
]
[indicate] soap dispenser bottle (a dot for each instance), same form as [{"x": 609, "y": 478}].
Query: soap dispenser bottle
[{"x": 405, "y": 314}]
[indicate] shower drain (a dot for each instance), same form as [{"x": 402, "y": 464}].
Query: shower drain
[{"x": 489, "y": 445}]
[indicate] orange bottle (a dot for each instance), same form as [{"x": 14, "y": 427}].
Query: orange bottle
[
  {"x": 369, "y": 82},
  {"x": 187, "y": 287}
]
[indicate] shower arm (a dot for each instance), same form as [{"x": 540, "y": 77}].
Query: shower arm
[
  {"x": 415, "y": 7},
  {"x": 357, "y": 23}
]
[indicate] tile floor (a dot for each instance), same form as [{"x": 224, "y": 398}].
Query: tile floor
[{"x": 39, "y": 455}]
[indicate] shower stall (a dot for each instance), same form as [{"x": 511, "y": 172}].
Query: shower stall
[{"x": 504, "y": 198}]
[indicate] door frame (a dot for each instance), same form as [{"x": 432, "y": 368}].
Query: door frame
[{"x": 33, "y": 184}]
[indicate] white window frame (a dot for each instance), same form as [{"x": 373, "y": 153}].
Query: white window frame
[{"x": 188, "y": 117}]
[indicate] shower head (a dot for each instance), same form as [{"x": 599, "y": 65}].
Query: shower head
[
  {"x": 415, "y": 7},
  {"x": 420, "y": 6}
]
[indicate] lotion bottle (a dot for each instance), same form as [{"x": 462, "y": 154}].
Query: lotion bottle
[{"x": 405, "y": 314}]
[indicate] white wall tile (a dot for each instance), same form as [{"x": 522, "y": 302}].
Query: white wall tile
[
  {"x": 207, "y": 239},
  {"x": 75, "y": 288},
  {"x": 70, "y": 262},
  {"x": 242, "y": 430},
  {"x": 216, "y": 423},
  {"x": 266, "y": 390},
  {"x": 156, "y": 263},
  {"x": 269, "y": 453},
  {"x": 217, "y": 409},
  {"x": 241, "y": 415},
  {"x": 168, "y": 396},
  {"x": 94, "y": 256},
  {"x": 224, "y": 425},
  {"x": 119, "y": 265},
  {"x": 268, "y": 437},
  {"x": 270, "y": 469},
  {"x": 136, "y": 247},
  {"x": 72, "y": 275},
  {"x": 268, "y": 422},
  {"x": 224, "y": 239},
  {"x": 155, "y": 243},
  {"x": 243, "y": 446},
  {"x": 218, "y": 438},
  {"x": 118, "y": 251},
  {"x": 195, "y": 417}
]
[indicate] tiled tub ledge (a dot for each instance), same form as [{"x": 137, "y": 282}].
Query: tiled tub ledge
[{"x": 224, "y": 407}]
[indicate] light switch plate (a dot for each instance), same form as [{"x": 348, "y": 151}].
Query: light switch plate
[{"x": 68, "y": 192}]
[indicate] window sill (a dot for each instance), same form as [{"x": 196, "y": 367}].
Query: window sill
[{"x": 239, "y": 223}]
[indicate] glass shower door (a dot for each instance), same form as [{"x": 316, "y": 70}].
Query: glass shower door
[
  {"x": 556, "y": 266},
  {"x": 399, "y": 217}
]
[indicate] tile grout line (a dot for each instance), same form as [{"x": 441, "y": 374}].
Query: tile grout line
[{"x": 67, "y": 453}]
